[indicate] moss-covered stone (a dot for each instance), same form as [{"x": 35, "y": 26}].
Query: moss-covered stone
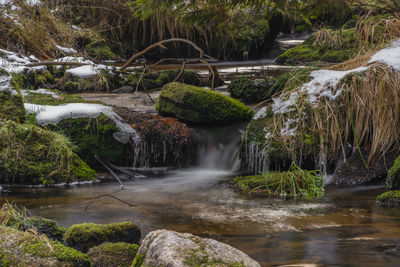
[
  {"x": 94, "y": 136},
  {"x": 201, "y": 106},
  {"x": 390, "y": 198},
  {"x": 113, "y": 254},
  {"x": 87, "y": 235},
  {"x": 250, "y": 91},
  {"x": 32, "y": 155},
  {"x": 311, "y": 52},
  {"x": 100, "y": 51},
  {"x": 36, "y": 97},
  {"x": 393, "y": 177},
  {"x": 18, "y": 248}
]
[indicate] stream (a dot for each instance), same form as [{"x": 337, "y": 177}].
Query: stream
[{"x": 343, "y": 228}]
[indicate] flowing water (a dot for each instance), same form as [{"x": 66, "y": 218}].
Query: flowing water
[{"x": 345, "y": 228}]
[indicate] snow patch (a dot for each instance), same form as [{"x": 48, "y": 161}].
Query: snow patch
[
  {"x": 389, "y": 56},
  {"x": 68, "y": 51},
  {"x": 287, "y": 130},
  {"x": 324, "y": 82},
  {"x": 86, "y": 71},
  {"x": 14, "y": 63},
  {"x": 74, "y": 59},
  {"x": 40, "y": 91},
  {"x": 53, "y": 114},
  {"x": 76, "y": 28},
  {"x": 260, "y": 114},
  {"x": 5, "y": 85}
]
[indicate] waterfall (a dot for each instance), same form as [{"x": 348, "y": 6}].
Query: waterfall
[{"x": 218, "y": 147}]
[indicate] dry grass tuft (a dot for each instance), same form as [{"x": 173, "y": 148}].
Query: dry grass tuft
[{"x": 372, "y": 33}]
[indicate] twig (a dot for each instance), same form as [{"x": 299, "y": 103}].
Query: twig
[
  {"x": 111, "y": 171},
  {"x": 111, "y": 196},
  {"x": 160, "y": 44}
]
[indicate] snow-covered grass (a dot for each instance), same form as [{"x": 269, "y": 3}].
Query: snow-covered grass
[
  {"x": 15, "y": 63},
  {"x": 324, "y": 82}
]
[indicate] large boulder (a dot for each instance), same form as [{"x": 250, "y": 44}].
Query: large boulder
[
  {"x": 113, "y": 254},
  {"x": 169, "y": 248},
  {"x": 200, "y": 106},
  {"x": 87, "y": 235},
  {"x": 18, "y": 248}
]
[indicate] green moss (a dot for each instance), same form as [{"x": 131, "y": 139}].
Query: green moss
[
  {"x": 198, "y": 105},
  {"x": 251, "y": 91},
  {"x": 139, "y": 260},
  {"x": 293, "y": 183},
  {"x": 393, "y": 178},
  {"x": 33, "y": 97},
  {"x": 390, "y": 195},
  {"x": 113, "y": 254},
  {"x": 100, "y": 51},
  {"x": 94, "y": 136},
  {"x": 312, "y": 53},
  {"x": 32, "y": 155},
  {"x": 70, "y": 255},
  {"x": 87, "y": 235},
  {"x": 27, "y": 249}
]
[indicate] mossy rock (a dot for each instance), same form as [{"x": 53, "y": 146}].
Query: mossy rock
[
  {"x": 250, "y": 91},
  {"x": 390, "y": 198},
  {"x": 30, "y": 155},
  {"x": 18, "y": 248},
  {"x": 119, "y": 254},
  {"x": 200, "y": 106},
  {"x": 309, "y": 52},
  {"x": 393, "y": 177},
  {"x": 100, "y": 51},
  {"x": 85, "y": 236},
  {"x": 94, "y": 136}
]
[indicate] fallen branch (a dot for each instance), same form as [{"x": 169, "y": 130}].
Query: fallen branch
[
  {"x": 111, "y": 196},
  {"x": 161, "y": 44},
  {"x": 111, "y": 171},
  {"x": 54, "y": 63}
]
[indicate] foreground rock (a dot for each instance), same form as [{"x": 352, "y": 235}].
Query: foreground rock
[
  {"x": 169, "y": 248},
  {"x": 87, "y": 235},
  {"x": 113, "y": 254},
  {"x": 18, "y": 248},
  {"x": 197, "y": 105}
]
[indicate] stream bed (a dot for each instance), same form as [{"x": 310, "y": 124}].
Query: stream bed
[{"x": 344, "y": 228}]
